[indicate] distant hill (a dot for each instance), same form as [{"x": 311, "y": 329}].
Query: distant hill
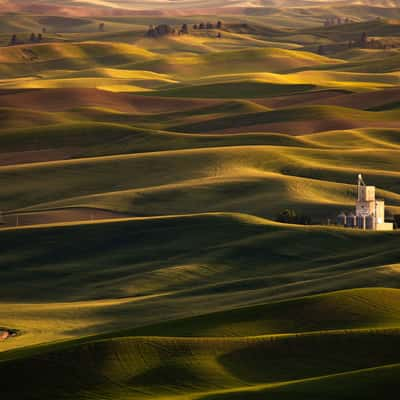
[{"x": 175, "y": 7}]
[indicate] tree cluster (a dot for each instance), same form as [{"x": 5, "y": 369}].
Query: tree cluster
[
  {"x": 290, "y": 216},
  {"x": 184, "y": 30},
  {"x": 33, "y": 38},
  {"x": 208, "y": 25},
  {"x": 160, "y": 30},
  {"x": 366, "y": 43},
  {"x": 36, "y": 38},
  {"x": 333, "y": 21},
  {"x": 165, "y": 30}
]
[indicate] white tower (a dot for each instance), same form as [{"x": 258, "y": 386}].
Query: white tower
[{"x": 370, "y": 213}]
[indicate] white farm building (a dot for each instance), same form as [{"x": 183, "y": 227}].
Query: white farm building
[{"x": 369, "y": 212}]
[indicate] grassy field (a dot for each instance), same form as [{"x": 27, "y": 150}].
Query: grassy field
[{"x": 141, "y": 180}]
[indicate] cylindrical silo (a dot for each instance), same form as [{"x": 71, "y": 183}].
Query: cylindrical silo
[
  {"x": 351, "y": 220},
  {"x": 342, "y": 219},
  {"x": 361, "y": 222},
  {"x": 370, "y": 222}
]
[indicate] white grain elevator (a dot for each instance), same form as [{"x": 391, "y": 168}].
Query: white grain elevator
[{"x": 370, "y": 212}]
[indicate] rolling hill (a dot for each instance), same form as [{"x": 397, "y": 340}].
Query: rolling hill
[{"x": 211, "y": 261}]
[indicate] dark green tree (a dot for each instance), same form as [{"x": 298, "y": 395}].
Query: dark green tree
[
  {"x": 160, "y": 30},
  {"x": 289, "y": 216},
  {"x": 364, "y": 39},
  {"x": 184, "y": 30},
  {"x": 14, "y": 39}
]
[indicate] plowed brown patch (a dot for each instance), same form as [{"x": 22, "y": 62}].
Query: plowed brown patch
[
  {"x": 58, "y": 216},
  {"x": 26, "y": 157},
  {"x": 367, "y": 100},
  {"x": 65, "y": 99}
]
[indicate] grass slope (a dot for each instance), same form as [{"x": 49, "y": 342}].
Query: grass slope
[
  {"x": 137, "y": 368},
  {"x": 300, "y": 114},
  {"x": 143, "y": 184},
  {"x": 349, "y": 309},
  {"x": 203, "y": 263}
]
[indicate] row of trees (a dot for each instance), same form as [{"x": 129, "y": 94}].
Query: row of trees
[
  {"x": 367, "y": 43},
  {"x": 332, "y": 21},
  {"x": 160, "y": 30},
  {"x": 34, "y": 38},
  {"x": 164, "y": 29},
  {"x": 208, "y": 25},
  {"x": 364, "y": 43}
]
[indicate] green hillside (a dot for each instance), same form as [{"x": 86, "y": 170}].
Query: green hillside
[
  {"x": 310, "y": 113},
  {"x": 350, "y": 309},
  {"x": 203, "y": 180},
  {"x": 199, "y": 262},
  {"x": 200, "y": 368}
]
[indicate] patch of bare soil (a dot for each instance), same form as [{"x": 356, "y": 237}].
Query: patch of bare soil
[
  {"x": 69, "y": 98},
  {"x": 27, "y": 157},
  {"x": 58, "y": 216}
]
